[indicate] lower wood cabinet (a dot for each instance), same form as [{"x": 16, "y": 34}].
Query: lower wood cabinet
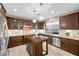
[
  {"x": 15, "y": 41},
  {"x": 70, "y": 45},
  {"x": 50, "y": 40}
]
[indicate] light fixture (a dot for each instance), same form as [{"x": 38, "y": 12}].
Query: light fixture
[
  {"x": 15, "y": 10},
  {"x": 34, "y": 20},
  {"x": 41, "y": 4},
  {"x": 50, "y": 19},
  {"x": 52, "y": 11}
]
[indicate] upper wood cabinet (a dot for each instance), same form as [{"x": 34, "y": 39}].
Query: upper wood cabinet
[
  {"x": 70, "y": 22},
  {"x": 14, "y": 23},
  {"x": 40, "y": 25}
]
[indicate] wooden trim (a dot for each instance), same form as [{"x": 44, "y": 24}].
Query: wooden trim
[{"x": 3, "y": 7}]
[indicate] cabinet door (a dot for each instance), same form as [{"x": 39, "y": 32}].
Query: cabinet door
[
  {"x": 9, "y": 22},
  {"x": 70, "y": 45},
  {"x": 72, "y": 21},
  {"x": 40, "y": 25},
  {"x": 19, "y": 40},
  {"x": 69, "y": 21},
  {"x": 14, "y": 23},
  {"x": 64, "y": 44},
  {"x": 30, "y": 49},
  {"x": 74, "y": 47},
  {"x": 15, "y": 41},
  {"x": 50, "y": 40},
  {"x": 12, "y": 43},
  {"x": 20, "y": 24},
  {"x": 63, "y": 22}
]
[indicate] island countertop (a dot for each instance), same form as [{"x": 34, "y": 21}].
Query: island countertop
[{"x": 35, "y": 39}]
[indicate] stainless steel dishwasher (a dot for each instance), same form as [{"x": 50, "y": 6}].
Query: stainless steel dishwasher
[{"x": 56, "y": 39}]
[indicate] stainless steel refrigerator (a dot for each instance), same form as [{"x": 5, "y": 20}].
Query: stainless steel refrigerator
[{"x": 3, "y": 36}]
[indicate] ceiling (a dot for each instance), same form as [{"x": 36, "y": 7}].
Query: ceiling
[{"x": 39, "y": 11}]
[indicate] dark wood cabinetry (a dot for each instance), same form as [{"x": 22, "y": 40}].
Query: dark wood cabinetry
[
  {"x": 35, "y": 46},
  {"x": 15, "y": 41},
  {"x": 50, "y": 40},
  {"x": 70, "y": 45},
  {"x": 19, "y": 24},
  {"x": 64, "y": 44},
  {"x": 14, "y": 23},
  {"x": 40, "y": 25},
  {"x": 69, "y": 21}
]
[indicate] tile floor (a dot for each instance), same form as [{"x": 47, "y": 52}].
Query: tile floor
[{"x": 52, "y": 51}]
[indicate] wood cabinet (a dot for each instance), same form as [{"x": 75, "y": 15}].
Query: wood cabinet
[
  {"x": 40, "y": 25},
  {"x": 35, "y": 46},
  {"x": 70, "y": 45},
  {"x": 15, "y": 41},
  {"x": 50, "y": 41},
  {"x": 15, "y": 23},
  {"x": 69, "y": 21},
  {"x": 64, "y": 44}
]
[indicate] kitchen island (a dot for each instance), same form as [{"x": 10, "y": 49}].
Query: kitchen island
[{"x": 35, "y": 46}]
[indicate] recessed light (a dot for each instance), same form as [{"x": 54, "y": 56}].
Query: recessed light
[
  {"x": 50, "y": 19},
  {"x": 34, "y": 20},
  {"x": 52, "y": 12},
  {"x": 15, "y": 10}
]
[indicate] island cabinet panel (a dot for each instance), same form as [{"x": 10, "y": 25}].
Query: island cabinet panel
[
  {"x": 15, "y": 41},
  {"x": 70, "y": 21},
  {"x": 70, "y": 45},
  {"x": 34, "y": 50},
  {"x": 35, "y": 46}
]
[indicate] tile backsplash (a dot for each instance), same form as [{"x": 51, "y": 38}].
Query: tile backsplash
[
  {"x": 15, "y": 32},
  {"x": 72, "y": 33},
  {"x": 76, "y": 33}
]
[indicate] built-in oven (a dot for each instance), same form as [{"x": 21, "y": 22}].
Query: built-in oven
[{"x": 56, "y": 39}]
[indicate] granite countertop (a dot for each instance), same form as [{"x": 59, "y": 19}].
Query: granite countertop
[
  {"x": 35, "y": 39},
  {"x": 48, "y": 34},
  {"x": 74, "y": 38}
]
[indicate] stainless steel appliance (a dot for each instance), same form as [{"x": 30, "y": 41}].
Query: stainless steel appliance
[
  {"x": 3, "y": 36},
  {"x": 56, "y": 40}
]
